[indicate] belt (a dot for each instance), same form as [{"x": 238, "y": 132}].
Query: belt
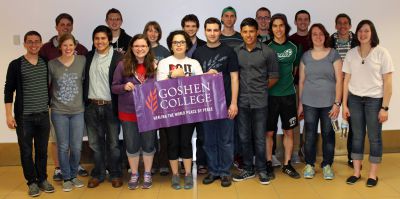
[{"x": 99, "y": 102}]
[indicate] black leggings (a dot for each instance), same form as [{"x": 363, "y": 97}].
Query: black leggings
[{"x": 180, "y": 141}]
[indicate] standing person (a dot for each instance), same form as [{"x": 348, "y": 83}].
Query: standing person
[
  {"x": 153, "y": 32},
  {"x": 179, "y": 137},
  {"x": 190, "y": 24},
  {"x": 120, "y": 40},
  {"x": 258, "y": 72},
  {"x": 263, "y": 17},
  {"x": 228, "y": 35},
  {"x": 218, "y": 134},
  {"x": 27, "y": 78},
  {"x": 101, "y": 111},
  {"x": 136, "y": 68},
  {"x": 320, "y": 94},
  {"x": 66, "y": 80},
  {"x": 343, "y": 40},
  {"x": 302, "y": 21},
  {"x": 366, "y": 95},
  {"x": 49, "y": 51},
  {"x": 282, "y": 96}
]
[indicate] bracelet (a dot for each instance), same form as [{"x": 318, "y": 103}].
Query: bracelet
[{"x": 337, "y": 104}]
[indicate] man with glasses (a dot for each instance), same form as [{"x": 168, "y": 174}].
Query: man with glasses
[
  {"x": 263, "y": 16},
  {"x": 120, "y": 39}
]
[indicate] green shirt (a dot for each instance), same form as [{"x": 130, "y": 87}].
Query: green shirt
[{"x": 288, "y": 57}]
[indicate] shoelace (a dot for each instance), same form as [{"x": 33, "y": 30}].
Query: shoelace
[
  {"x": 147, "y": 178},
  {"x": 134, "y": 178}
]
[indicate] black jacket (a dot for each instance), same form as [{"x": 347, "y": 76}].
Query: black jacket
[
  {"x": 114, "y": 62},
  {"x": 352, "y": 44},
  {"x": 121, "y": 45}
]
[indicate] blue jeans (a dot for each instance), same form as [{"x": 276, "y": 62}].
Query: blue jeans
[
  {"x": 69, "y": 132},
  {"x": 312, "y": 116},
  {"x": 134, "y": 141},
  {"x": 103, "y": 130},
  {"x": 364, "y": 113},
  {"x": 33, "y": 127},
  {"x": 252, "y": 128},
  {"x": 218, "y": 146}
]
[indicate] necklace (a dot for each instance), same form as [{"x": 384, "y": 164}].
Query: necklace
[{"x": 364, "y": 57}]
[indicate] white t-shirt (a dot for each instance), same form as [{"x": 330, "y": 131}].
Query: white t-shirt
[
  {"x": 366, "y": 79},
  {"x": 190, "y": 67}
]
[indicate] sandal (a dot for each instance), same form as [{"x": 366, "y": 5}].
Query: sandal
[{"x": 201, "y": 169}]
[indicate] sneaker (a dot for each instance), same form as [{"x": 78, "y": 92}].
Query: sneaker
[
  {"x": 328, "y": 172},
  {"x": 77, "y": 183},
  {"x": 67, "y": 186},
  {"x": 226, "y": 181},
  {"x": 275, "y": 161},
  {"x": 188, "y": 182},
  {"x": 309, "y": 172},
  {"x": 210, "y": 178},
  {"x": 33, "y": 190},
  {"x": 270, "y": 170},
  {"x": 352, "y": 179},
  {"x": 262, "y": 176},
  {"x": 133, "y": 182},
  {"x": 238, "y": 162},
  {"x": 82, "y": 172},
  {"x": 57, "y": 176},
  {"x": 164, "y": 171},
  {"x": 154, "y": 171},
  {"x": 147, "y": 181},
  {"x": 244, "y": 175},
  {"x": 290, "y": 171},
  {"x": 176, "y": 182},
  {"x": 372, "y": 182},
  {"x": 295, "y": 158},
  {"x": 46, "y": 187}
]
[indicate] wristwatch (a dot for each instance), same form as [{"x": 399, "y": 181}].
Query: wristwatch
[
  {"x": 385, "y": 108},
  {"x": 337, "y": 103}
]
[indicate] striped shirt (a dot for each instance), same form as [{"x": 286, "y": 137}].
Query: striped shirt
[
  {"x": 34, "y": 86},
  {"x": 342, "y": 46}
]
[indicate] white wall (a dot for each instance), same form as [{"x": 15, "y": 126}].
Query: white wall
[{"x": 19, "y": 16}]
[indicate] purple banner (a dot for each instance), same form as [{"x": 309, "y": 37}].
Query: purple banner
[{"x": 179, "y": 101}]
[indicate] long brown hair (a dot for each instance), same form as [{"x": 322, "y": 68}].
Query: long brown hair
[{"x": 130, "y": 61}]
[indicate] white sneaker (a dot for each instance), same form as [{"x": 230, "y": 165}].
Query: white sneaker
[{"x": 275, "y": 161}]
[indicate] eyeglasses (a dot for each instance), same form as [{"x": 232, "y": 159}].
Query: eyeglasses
[
  {"x": 140, "y": 46},
  {"x": 178, "y": 43},
  {"x": 33, "y": 42},
  {"x": 266, "y": 18}
]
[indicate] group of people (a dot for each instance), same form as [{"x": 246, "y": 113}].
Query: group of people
[{"x": 267, "y": 75}]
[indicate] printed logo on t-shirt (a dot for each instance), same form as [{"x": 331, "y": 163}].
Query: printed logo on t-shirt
[
  {"x": 285, "y": 54},
  {"x": 68, "y": 87},
  {"x": 187, "y": 68},
  {"x": 214, "y": 63}
]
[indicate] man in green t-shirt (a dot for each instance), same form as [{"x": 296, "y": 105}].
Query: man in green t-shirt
[{"x": 282, "y": 96}]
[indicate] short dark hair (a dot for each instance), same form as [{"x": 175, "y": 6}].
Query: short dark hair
[
  {"x": 249, "y": 22},
  {"x": 263, "y": 9},
  {"x": 104, "y": 29},
  {"x": 302, "y": 12},
  {"x": 32, "y": 33},
  {"x": 327, "y": 41},
  {"x": 342, "y": 15},
  {"x": 178, "y": 32},
  {"x": 284, "y": 19},
  {"x": 113, "y": 10},
  {"x": 156, "y": 26},
  {"x": 64, "y": 16},
  {"x": 374, "y": 34},
  {"x": 65, "y": 37},
  {"x": 212, "y": 20},
  {"x": 190, "y": 17}
]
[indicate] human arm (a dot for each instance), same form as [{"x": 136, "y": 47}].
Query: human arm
[
  {"x": 387, "y": 94},
  {"x": 233, "y": 108},
  {"x": 345, "y": 108},
  {"x": 302, "y": 77},
  {"x": 118, "y": 86},
  {"x": 337, "y": 65},
  {"x": 9, "y": 116}
]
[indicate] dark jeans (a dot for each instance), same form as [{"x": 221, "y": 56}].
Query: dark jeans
[
  {"x": 180, "y": 141},
  {"x": 200, "y": 153},
  {"x": 33, "y": 127},
  {"x": 364, "y": 113},
  {"x": 312, "y": 116},
  {"x": 252, "y": 128},
  {"x": 349, "y": 140},
  {"x": 218, "y": 145},
  {"x": 103, "y": 130}
]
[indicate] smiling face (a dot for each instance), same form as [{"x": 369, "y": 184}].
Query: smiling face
[
  {"x": 33, "y": 44},
  {"x": 179, "y": 45},
  {"x": 213, "y": 33},
  {"x": 114, "y": 21},
  {"x": 263, "y": 18},
  {"x": 140, "y": 48},
  {"x": 302, "y": 22},
  {"x": 101, "y": 42},
  {"x": 152, "y": 34},
  {"x": 343, "y": 26},
  {"x": 190, "y": 28},
  {"x": 249, "y": 35},
  {"x": 64, "y": 26},
  {"x": 364, "y": 34},
  {"x": 68, "y": 48},
  {"x": 278, "y": 29},
  {"x": 317, "y": 37}
]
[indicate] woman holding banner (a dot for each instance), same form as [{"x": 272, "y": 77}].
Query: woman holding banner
[
  {"x": 137, "y": 67},
  {"x": 179, "y": 137}
]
